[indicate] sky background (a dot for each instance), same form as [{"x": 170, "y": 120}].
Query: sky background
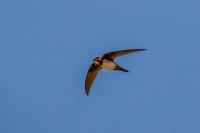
[{"x": 47, "y": 46}]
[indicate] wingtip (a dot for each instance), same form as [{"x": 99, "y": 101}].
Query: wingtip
[
  {"x": 143, "y": 49},
  {"x": 87, "y": 93}
]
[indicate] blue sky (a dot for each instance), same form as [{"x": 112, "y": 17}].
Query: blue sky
[{"x": 46, "y": 48}]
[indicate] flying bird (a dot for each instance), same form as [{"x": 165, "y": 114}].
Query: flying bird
[{"x": 106, "y": 62}]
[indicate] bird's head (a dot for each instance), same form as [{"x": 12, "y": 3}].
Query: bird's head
[{"x": 97, "y": 60}]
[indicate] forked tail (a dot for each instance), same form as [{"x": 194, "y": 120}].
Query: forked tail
[{"x": 120, "y": 69}]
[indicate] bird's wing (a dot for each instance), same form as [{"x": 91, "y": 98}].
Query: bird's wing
[
  {"x": 92, "y": 73},
  {"x": 112, "y": 55}
]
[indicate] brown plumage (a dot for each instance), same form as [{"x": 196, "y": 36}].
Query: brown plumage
[
  {"x": 108, "y": 59},
  {"x": 112, "y": 55},
  {"x": 92, "y": 73}
]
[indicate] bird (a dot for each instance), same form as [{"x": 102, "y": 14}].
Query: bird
[{"x": 106, "y": 62}]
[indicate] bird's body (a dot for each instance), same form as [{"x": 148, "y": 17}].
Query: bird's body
[
  {"x": 108, "y": 65},
  {"x": 106, "y": 62}
]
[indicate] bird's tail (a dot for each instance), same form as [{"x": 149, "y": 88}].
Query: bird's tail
[{"x": 120, "y": 68}]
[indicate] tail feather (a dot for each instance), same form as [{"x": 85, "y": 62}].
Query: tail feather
[{"x": 120, "y": 68}]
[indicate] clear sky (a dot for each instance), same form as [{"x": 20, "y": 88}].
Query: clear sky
[{"x": 47, "y": 46}]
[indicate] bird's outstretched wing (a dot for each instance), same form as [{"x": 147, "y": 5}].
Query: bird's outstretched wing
[
  {"x": 112, "y": 55},
  {"x": 92, "y": 73}
]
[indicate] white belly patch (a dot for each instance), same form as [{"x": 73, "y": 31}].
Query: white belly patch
[{"x": 108, "y": 65}]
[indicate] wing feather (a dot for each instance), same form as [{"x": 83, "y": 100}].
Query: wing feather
[
  {"x": 112, "y": 55},
  {"x": 91, "y": 75}
]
